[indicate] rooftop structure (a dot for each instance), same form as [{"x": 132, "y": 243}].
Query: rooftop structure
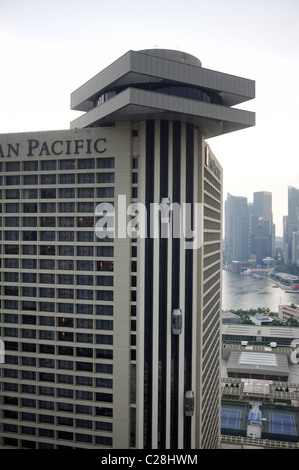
[{"x": 256, "y": 365}]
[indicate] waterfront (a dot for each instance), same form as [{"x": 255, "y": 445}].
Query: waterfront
[{"x": 248, "y": 292}]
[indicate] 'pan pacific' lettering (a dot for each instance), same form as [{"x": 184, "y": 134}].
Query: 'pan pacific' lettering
[
  {"x": 68, "y": 147},
  {"x": 34, "y": 147}
]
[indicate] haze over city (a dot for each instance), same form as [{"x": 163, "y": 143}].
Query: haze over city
[{"x": 49, "y": 48}]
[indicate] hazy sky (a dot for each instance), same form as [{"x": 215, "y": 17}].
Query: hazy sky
[{"x": 50, "y": 47}]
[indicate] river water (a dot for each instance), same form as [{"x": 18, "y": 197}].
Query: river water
[{"x": 247, "y": 292}]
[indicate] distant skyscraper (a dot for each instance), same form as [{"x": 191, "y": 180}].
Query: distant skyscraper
[
  {"x": 262, "y": 235},
  {"x": 293, "y": 206},
  {"x": 236, "y": 229},
  {"x": 285, "y": 238},
  {"x": 113, "y": 338}
]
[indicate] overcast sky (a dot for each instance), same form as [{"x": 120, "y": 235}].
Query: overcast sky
[{"x": 48, "y": 48}]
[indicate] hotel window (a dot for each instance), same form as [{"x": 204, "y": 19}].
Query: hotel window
[
  {"x": 66, "y": 207},
  {"x": 67, "y": 178},
  {"x": 47, "y": 264},
  {"x": 104, "y": 353},
  {"x": 47, "y": 165},
  {"x": 47, "y": 250},
  {"x": 66, "y": 236},
  {"x": 29, "y": 249},
  {"x": 85, "y": 207},
  {"x": 86, "y": 178},
  {"x": 13, "y": 180},
  {"x": 67, "y": 193},
  {"x": 86, "y": 163},
  {"x": 85, "y": 280},
  {"x": 66, "y": 221},
  {"x": 29, "y": 221},
  {"x": 12, "y": 207},
  {"x": 66, "y": 250},
  {"x": 66, "y": 279},
  {"x": 48, "y": 193},
  {"x": 30, "y": 193},
  {"x": 13, "y": 166},
  {"x": 30, "y": 179},
  {"x": 11, "y": 290},
  {"x": 11, "y": 235},
  {"x": 104, "y": 339},
  {"x": 47, "y": 236},
  {"x": 29, "y": 207},
  {"x": 47, "y": 307},
  {"x": 47, "y": 292},
  {"x": 48, "y": 207},
  {"x": 11, "y": 304},
  {"x": 47, "y": 278},
  {"x": 67, "y": 164},
  {"x": 85, "y": 193},
  {"x": 84, "y": 323},
  {"x": 105, "y": 266},
  {"x": 29, "y": 235},
  {"x": 84, "y": 381},
  {"x": 11, "y": 277},
  {"x": 67, "y": 265},
  {"x": 105, "y": 251},
  {"x": 85, "y": 236},
  {"x": 105, "y": 295},
  {"x": 85, "y": 250},
  {"x": 84, "y": 294},
  {"x": 104, "y": 310},
  {"x": 29, "y": 263},
  {"x": 29, "y": 291},
  {"x": 66, "y": 308},
  {"x": 11, "y": 221},
  {"x": 85, "y": 222},
  {"x": 65, "y": 293},
  {"x": 105, "y": 281},
  {"x": 11, "y": 250},
  {"x": 30, "y": 165},
  {"x": 105, "y": 162},
  {"x": 105, "y": 177},
  {"x": 29, "y": 277},
  {"x": 105, "y": 192},
  {"x": 85, "y": 309},
  {"x": 12, "y": 194},
  {"x": 11, "y": 263}
]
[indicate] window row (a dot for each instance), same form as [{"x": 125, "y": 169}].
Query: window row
[
  {"x": 61, "y": 351},
  {"x": 63, "y": 164},
  {"x": 51, "y": 307},
  {"x": 59, "y": 250},
  {"x": 62, "y": 193},
  {"x": 29, "y": 444},
  {"x": 66, "y": 264},
  {"x": 52, "y": 236},
  {"x": 48, "y": 278},
  {"x": 49, "y": 207},
  {"x": 60, "y": 293},
  {"x": 63, "y": 178},
  {"x": 63, "y": 321}
]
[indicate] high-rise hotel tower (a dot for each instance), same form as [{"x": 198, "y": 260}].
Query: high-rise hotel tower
[{"x": 111, "y": 261}]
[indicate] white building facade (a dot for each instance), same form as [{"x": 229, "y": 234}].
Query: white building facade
[{"x": 111, "y": 317}]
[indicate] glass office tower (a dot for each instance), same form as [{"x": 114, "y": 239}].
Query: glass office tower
[{"x": 111, "y": 262}]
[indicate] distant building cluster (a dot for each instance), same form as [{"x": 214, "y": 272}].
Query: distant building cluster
[{"x": 250, "y": 231}]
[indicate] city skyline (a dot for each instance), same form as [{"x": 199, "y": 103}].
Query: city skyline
[{"x": 49, "y": 49}]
